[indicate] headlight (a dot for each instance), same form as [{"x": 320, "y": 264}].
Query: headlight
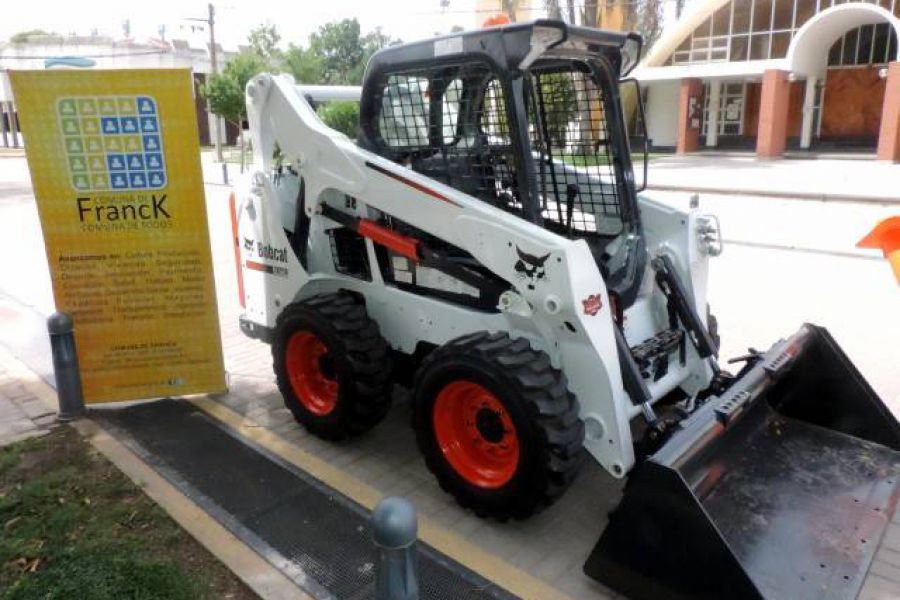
[{"x": 709, "y": 235}]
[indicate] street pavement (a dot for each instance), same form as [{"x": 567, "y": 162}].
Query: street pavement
[
  {"x": 787, "y": 262},
  {"x": 859, "y": 178}
]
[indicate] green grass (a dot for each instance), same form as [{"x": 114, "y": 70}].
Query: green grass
[{"x": 72, "y": 526}]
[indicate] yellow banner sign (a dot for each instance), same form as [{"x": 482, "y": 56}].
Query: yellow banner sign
[{"x": 115, "y": 164}]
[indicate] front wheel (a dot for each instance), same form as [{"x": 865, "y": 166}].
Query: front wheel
[
  {"x": 497, "y": 425},
  {"x": 332, "y": 365}
]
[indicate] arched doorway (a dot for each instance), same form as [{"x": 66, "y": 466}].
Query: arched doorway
[{"x": 841, "y": 53}]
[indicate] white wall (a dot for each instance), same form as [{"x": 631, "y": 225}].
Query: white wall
[{"x": 662, "y": 112}]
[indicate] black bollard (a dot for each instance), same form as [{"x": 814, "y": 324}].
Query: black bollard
[
  {"x": 394, "y": 530},
  {"x": 65, "y": 367},
  {"x": 225, "y": 173}
]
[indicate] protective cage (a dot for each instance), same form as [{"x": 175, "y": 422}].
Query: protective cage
[
  {"x": 781, "y": 488},
  {"x": 454, "y": 122}
]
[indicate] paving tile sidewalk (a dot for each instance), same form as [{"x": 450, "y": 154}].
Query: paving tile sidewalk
[{"x": 22, "y": 413}]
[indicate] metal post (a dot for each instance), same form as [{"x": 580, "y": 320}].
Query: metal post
[
  {"x": 3, "y": 126},
  {"x": 214, "y": 69},
  {"x": 713, "y": 117},
  {"x": 13, "y": 123},
  {"x": 225, "y": 173},
  {"x": 65, "y": 367},
  {"x": 809, "y": 109},
  {"x": 394, "y": 530}
]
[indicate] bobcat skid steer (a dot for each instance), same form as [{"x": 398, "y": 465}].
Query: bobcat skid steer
[{"x": 484, "y": 242}]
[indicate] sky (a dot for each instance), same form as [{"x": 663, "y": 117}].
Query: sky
[
  {"x": 295, "y": 19},
  {"x": 408, "y": 20}
]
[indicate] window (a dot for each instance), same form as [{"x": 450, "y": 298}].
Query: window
[
  {"x": 741, "y": 18},
  {"x": 451, "y": 123},
  {"x": 739, "y": 47},
  {"x": 450, "y": 111},
  {"x": 762, "y": 15},
  {"x": 772, "y": 25},
  {"x": 731, "y": 109},
  {"x": 403, "y": 122},
  {"x": 865, "y": 45},
  {"x": 783, "y": 15},
  {"x": 492, "y": 117},
  {"x": 780, "y": 43},
  {"x": 575, "y": 163}
]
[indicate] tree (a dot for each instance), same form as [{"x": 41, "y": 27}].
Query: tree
[
  {"x": 509, "y": 7},
  {"x": 23, "y": 36},
  {"x": 304, "y": 64},
  {"x": 553, "y": 9},
  {"x": 225, "y": 90},
  {"x": 649, "y": 16},
  {"x": 264, "y": 41},
  {"x": 344, "y": 52},
  {"x": 343, "y": 116},
  {"x": 338, "y": 45},
  {"x": 590, "y": 17}
]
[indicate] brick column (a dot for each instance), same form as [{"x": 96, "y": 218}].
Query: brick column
[
  {"x": 690, "y": 100},
  {"x": 889, "y": 136},
  {"x": 774, "y": 98}
]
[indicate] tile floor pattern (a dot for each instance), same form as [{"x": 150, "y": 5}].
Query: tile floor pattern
[{"x": 22, "y": 414}]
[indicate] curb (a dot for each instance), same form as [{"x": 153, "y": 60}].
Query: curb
[{"x": 879, "y": 200}]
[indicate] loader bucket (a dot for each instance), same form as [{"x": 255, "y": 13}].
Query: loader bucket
[{"x": 780, "y": 488}]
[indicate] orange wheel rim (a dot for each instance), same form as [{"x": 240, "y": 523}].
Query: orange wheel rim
[
  {"x": 476, "y": 434},
  {"x": 311, "y": 373}
]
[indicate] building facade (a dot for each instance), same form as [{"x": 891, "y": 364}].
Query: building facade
[
  {"x": 776, "y": 75},
  {"x": 99, "y": 52}
]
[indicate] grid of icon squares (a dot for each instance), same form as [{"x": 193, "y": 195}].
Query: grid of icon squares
[{"x": 112, "y": 142}]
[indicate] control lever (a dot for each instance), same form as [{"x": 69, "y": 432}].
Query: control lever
[
  {"x": 752, "y": 355},
  {"x": 571, "y": 194}
]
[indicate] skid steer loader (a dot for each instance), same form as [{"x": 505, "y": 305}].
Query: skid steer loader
[{"x": 484, "y": 242}]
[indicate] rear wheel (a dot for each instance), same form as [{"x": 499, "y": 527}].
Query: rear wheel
[
  {"x": 332, "y": 365},
  {"x": 497, "y": 425}
]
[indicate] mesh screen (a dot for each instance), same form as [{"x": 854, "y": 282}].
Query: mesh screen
[
  {"x": 576, "y": 176},
  {"x": 453, "y": 124}
]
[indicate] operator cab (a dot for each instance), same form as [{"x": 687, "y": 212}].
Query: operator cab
[{"x": 526, "y": 117}]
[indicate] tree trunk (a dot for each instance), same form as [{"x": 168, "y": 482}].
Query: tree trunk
[
  {"x": 509, "y": 7},
  {"x": 591, "y": 16},
  {"x": 570, "y": 5},
  {"x": 553, "y": 9},
  {"x": 241, "y": 142}
]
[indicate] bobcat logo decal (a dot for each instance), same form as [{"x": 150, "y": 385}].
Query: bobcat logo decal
[
  {"x": 248, "y": 245},
  {"x": 531, "y": 267}
]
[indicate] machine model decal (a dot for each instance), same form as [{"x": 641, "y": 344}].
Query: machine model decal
[
  {"x": 411, "y": 183},
  {"x": 531, "y": 266},
  {"x": 592, "y": 304},
  {"x": 266, "y": 251},
  {"x": 270, "y": 269}
]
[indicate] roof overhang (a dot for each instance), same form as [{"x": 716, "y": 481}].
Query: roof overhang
[
  {"x": 752, "y": 69},
  {"x": 808, "y": 52}
]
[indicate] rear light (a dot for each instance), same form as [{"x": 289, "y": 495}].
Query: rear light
[{"x": 237, "y": 250}]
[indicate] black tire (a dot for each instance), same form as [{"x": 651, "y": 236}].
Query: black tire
[
  {"x": 542, "y": 410},
  {"x": 359, "y": 362}
]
